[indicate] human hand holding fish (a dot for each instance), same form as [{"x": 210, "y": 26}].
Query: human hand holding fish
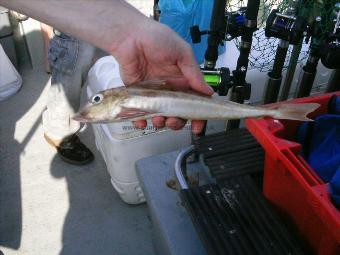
[
  {"x": 145, "y": 49},
  {"x": 161, "y": 54},
  {"x": 155, "y": 98}
]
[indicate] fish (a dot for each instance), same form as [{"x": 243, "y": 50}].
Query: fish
[{"x": 156, "y": 98}]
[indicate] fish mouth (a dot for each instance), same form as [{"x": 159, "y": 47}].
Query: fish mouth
[
  {"x": 84, "y": 117},
  {"x": 80, "y": 117}
]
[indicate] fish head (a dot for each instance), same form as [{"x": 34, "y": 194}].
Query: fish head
[{"x": 102, "y": 107}]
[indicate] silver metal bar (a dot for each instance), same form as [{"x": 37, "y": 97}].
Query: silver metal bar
[
  {"x": 217, "y": 71},
  {"x": 337, "y": 24},
  {"x": 178, "y": 166},
  {"x": 286, "y": 16},
  {"x": 294, "y": 57}
]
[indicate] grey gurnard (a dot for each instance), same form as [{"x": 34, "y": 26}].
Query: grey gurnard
[{"x": 155, "y": 98}]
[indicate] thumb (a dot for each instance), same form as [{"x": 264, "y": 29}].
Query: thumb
[{"x": 192, "y": 73}]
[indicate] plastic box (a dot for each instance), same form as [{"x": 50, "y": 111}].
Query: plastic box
[
  {"x": 292, "y": 185},
  {"x": 120, "y": 144}
]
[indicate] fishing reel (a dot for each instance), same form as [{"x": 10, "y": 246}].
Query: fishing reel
[
  {"x": 330, "y": 50},
  {"x": 290, "y": 28},
  {"x": 221, "y": 81},
  {"x": 218, "y": 79},
  {"x": 240, "y": 86},
  {"x": 235, "y": 23},
  {"x": 234, "y": 27},
  {"x": 196, "y": 34}
]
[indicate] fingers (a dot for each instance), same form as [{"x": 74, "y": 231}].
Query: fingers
[
  {"x": 158, "y": 122},
  {"x": 192, "y": 73},
  {"x": 141, "y": 124},
  {"x": 175, "y": 123},
  {"x": 171, "y": 122},
  {"x": 197, "y": 126}
]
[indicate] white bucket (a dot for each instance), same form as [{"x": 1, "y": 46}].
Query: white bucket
[{"x": 120, "y": 144}]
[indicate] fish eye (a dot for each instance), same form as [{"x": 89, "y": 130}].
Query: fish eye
[{"x": 96, "y": 99}]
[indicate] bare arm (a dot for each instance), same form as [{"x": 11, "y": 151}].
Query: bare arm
[{"x": 102, "y": 23}]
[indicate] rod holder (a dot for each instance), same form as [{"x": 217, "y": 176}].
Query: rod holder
[
  {"x": 305, "y": 84},
  {"x": 272, "y": 90},
  {"x": 334, "y": 81}
]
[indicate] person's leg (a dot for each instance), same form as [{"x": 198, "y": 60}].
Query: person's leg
[
  {"x": 70, "y": 60},
  {"x": 47, "y": 32}
]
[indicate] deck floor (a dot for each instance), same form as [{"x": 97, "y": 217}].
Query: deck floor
[{"x": 50, "y": 207}]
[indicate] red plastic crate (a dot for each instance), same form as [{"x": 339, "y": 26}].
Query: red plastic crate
[{"x": 292, "y": 185}]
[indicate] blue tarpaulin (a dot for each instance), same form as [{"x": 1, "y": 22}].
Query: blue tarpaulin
[
  {"x": 321, "y": 147},
  {"x": 180, "y": 15}
]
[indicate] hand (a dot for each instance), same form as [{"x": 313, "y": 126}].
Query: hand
[{"x": 153, "y": 51}]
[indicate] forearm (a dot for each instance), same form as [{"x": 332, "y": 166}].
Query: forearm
[{"x": 104, "y": 23}]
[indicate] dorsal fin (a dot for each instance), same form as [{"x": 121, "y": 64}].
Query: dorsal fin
[
  {"x": 118, "y": 90},
  {"x": 152, "y": 84}
]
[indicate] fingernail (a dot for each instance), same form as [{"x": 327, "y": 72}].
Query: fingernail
[
  {"x": 211, "y": 89},
  {"x": 197, "y": 131}
]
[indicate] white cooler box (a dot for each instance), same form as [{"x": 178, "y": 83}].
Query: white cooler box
[
  {"x": 120, "y": 144},
  {"x": 10, "y": 79}
]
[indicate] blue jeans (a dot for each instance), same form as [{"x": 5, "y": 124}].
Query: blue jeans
[{"x": 70, "y": 60}]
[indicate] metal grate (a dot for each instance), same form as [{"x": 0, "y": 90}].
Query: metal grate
[
  {"x": 225, "y": 142},
  {"x": 234, "y": 218},
  {"x": 231, "y": 154}
]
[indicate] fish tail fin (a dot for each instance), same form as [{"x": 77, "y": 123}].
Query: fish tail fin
[{"x": 296, "y": 111}]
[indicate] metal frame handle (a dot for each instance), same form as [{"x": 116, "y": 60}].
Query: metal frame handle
[{"x": 180, "y": 166}]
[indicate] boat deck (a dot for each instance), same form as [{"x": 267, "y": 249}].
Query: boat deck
[{"x": 51, "y": 207}]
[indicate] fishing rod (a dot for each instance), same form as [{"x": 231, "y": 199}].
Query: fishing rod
[
  {"x": 156, "y": 10},
  {"x": 289, "y": 28},
  {"x": 309, "y": 70},
  {"x": 240, "y": 88},
  {"x": 225, "y": 26},
  {"x": 294, "y": 58},
  {"x": 331, "y": 54},
  {"x": 240, "y": 23},
  {"x": 216, "y": 34},
  {"x": 305, "y": 10},
  {"x": 320, "y": 48},
  {"x": 218, "y": 79},
  {"x": 334, "y": 81},
  {"x": 330, "y": 50}
]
